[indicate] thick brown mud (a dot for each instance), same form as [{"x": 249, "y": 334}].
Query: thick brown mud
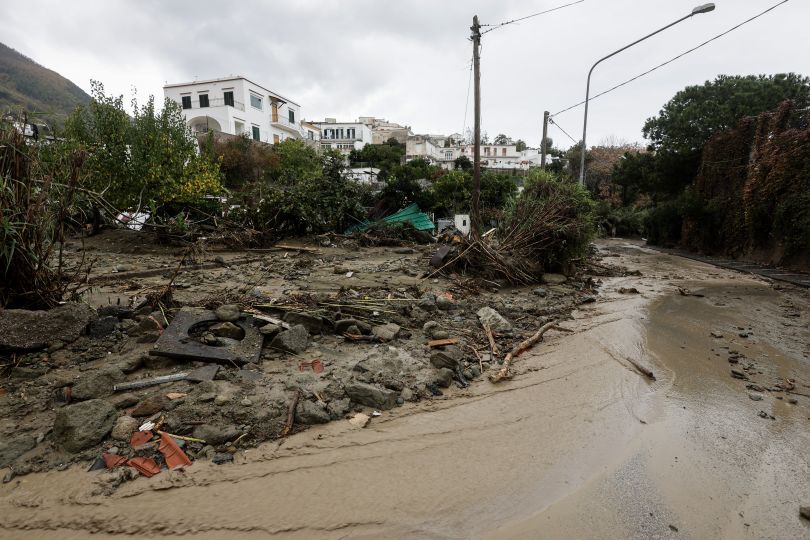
[{"x": 579, "y": 444}]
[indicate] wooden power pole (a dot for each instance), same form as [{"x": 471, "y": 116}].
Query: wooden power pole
[
  {"x": 543, "y": 149},
  {"x": 475, "y": 207}
]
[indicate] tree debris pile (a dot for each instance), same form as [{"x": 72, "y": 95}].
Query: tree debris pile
[{"x": 547, "y": 228}]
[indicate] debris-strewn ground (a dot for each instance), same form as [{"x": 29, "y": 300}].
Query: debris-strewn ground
[{"x": 345, "y": 330}]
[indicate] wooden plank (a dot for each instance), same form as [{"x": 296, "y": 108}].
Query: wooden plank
[{"x": 442, "y": 342}]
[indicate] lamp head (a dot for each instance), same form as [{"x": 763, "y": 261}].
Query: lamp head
[{"x": 705, "y": 8}]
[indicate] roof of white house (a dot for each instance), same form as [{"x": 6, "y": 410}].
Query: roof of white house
[{"x": 233, "y": 78}]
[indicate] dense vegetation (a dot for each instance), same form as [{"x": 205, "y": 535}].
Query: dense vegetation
[{"x": 28, "y": 86}]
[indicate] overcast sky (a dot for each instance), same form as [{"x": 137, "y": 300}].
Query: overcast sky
[{"x": 409, "y": 60}]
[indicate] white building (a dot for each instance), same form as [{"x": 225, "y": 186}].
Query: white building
[
  {"x": 236, "y": 105},
  {"x": 428, "y": 148},
  {"x": 383, "y": 130},
  {"x": 343, "y": 136}
]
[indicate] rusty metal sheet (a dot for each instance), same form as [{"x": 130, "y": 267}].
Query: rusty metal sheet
[{"x": 176, "y": 343}]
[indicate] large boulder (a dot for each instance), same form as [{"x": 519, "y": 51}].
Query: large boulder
[
  {"x": 21, "y": 329},
  {"x": 309, "y": 412},
  {"x": 294, "y": 340},
  {"x": 371, "y": 396},
  {"x": 80, "y": 426},
  {"x": 13, "y": 447}
]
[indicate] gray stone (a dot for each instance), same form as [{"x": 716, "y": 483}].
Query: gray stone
[
  {"x": 294, "y": 340},
  {"x": 804, "y": 511},
  {"x": 151, "y": 405},
  {"x": 337, "y": 408},
  {"x": 216, "y": 435},
  {"x": 270, "y": 330},
  {"x": 444, "y": 377},
  {"x": 386, "y": 332},
  {"x": 428, "y": 302},
  {"x": 124, "y": 401},
  {"x": 21, "y": 329},
  {"x": 103, "y": 327},
  {"x": 540, "y": 291},
  {"x": 312, "y": 323},
  {"x": 494, "y": 320},
  {"x": 444, "y": 303},
  {"x": 112, "y": 310},
  {"x": 124, "y": 427},
  {"x": 554, "y": 279},
  {"x": 406, "y": 394},
  {"x": 227, "y": 330},
  {"x": 440, "y": 334},
  {"x": 12, "y": 448},
  {"x": 443, "y": 359},
  {"x": 755, "y": 397},
  {"x": 404, "y": 251},
  {"x": 80, "y": 426},
  {"x": 354, "y": 330},
  {"x": 309, "y": 412},
  {"x": 131, "y": 362},
  {"x": 228, "y": 313},
  {"x": 97, "y": 384},
  {"x": 371, "y": 396}
]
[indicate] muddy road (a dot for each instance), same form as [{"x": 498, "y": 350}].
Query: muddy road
[{"x": 579, "y": 444}]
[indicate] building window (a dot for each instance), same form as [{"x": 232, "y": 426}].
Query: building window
[
  {"x": 238, "y": 127},
  {"x": 257, "y": 135},
  {"x": 291, "y": 114},
  {"x": 255, "y": 101},
  {"x": 203, "y": 100},
  {"x": 486, "y": 150},
  {"x": 276, "y": 139},
  {"x": 186, "y": 102},
  {"x": 326, "y": 146},
  {"x": 503, "y": 151},
  {"x": 350, "y": 133},
  {"x": 310, "y": 135},
  {"x": 228, "y": 96}
]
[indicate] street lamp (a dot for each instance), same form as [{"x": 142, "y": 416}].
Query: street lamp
[{"x": 704, "y": 8}]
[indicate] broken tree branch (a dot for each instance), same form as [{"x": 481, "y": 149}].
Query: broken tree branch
[
  {"x": 522, "y": 347},
  {"x": 291, "y": 413},
  {"x": 493, "y": 347}
]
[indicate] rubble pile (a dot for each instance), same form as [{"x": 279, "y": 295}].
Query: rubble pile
[{"x": 137, "y": 387}]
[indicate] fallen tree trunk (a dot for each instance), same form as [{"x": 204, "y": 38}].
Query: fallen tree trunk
[{"x": 522, "y": 347}]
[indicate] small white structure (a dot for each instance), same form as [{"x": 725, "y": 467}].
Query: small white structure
[
  {"x": 236, "y": 105},
  {"x": 343, "y": 136},
  {"x": 462, "y": 222},
  {"x": 363, "y": 175}
]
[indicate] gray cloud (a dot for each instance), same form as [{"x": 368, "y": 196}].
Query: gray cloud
[{"x": 408, "y": 60}]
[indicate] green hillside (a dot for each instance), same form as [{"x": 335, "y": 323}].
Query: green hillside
[{"x": 26, "y": 85}]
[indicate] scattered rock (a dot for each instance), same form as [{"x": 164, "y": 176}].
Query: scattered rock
[
  {"x": 215, "y": 435},
  {"x": 716, "y": 334},
  {"x": 444, "y": 377},
  {"x": 270, "y": 330},
  {"x": 227, "y": 330},
  {"x": 804, "y": 511},
  {"x": 763, "y": 414},
  {"x": 21, "y": 329},
  {"x": 494, "y": 320},
  {"x": 404, "y": 251},
  {"x": 628, "y": 290},
  {"x": 80, "y": 426},
  {"x": 228, "y": 313},
  {"x": 337, "y": 408},
  {"x": 755, "y": 387},
  {"x": 222, "y": 457},
  {"x": 360, "y": 420},
  {"x": 792, "y": 400},
  {"x": 342, "y": 326},
  {"x": 554, "y": 279},
  {"x": 124, "y": 401},
  {"x": 97, "y": 384},
  {"x": 312, "y": 323},
  {"x": 294, "y": 340},
  {"x": 103, "y": 327},
  {"x": 371, "y": 396},
  {"x": 428, "y": 302},
  {"x": 444, "y": 303},
  {"x": 13, "y": 447},
  {"x": 150, "y": 405},
  {"x": 309, "y": 412},
  {"x": 540, "y": 291},
  {"x": 444, "y": 359},
  {"x": 124, "y": 427},
  {"x": 246, "y": 402},
  {"x": 737, "y": 374},
  {"x": 755, "y": 397},
  {"x": 386, "y": 332}
]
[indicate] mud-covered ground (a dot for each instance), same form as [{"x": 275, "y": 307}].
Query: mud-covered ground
[
  {"x": 579, "y": 444},
  {"x": 56, "y": 403}
]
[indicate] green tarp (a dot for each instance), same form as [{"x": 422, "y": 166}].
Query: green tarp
[{"x": 411, "y": 214}]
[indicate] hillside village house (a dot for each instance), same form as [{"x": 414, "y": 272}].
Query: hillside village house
[
  {"x": 236, "y": 105},
  {"x": 344, "y": 136}
]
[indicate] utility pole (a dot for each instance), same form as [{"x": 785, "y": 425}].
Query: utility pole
[
  {"x": 543, "y": 149},
  {"x": 475, "y": 207}
]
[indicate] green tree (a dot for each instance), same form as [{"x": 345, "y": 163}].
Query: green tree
[
  {"x": 463, "y": 163},
  {"x": 385, "y": 157},
  {"x": 520, "y": 145},
  {"x": 451, "y": 193},
  {"x": 502, "y": 139}
]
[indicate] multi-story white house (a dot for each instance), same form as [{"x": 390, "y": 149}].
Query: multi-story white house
[
  {"x": 343, "y": 136},
  {"x": 427, "y": 147},
  {"x": 236, "y": 105}
]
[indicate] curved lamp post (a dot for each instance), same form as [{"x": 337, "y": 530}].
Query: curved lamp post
[{"x": 705, "y": 8}]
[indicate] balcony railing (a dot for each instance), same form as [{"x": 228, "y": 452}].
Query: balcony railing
[{"x": 215, "y": 102}]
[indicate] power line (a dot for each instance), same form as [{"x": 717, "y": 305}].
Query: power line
[
  {"x": 467, "y": 102},
  {"x": 496, "y": 26},
  {"x": 718, "y": 36},
  {"x": 551, "y": 121}
]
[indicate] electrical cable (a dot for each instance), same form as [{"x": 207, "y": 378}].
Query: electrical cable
[
  {"x": 552, "y": 122},
  {"x": 718, "y": 36},
  {"x": 501, "y": 25}
]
